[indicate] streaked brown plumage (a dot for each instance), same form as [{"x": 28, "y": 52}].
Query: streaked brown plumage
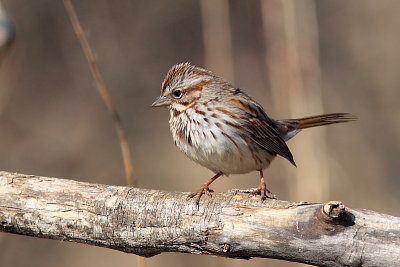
[{"x": 224, "y": 129}]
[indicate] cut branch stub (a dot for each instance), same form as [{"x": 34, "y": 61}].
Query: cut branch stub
[{"x": 334, "y": 212}]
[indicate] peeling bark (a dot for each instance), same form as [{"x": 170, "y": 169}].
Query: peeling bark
[{"x": 233, "y": 224}]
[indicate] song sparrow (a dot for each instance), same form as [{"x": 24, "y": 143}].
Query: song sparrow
[{"x": 223, "y": 129}]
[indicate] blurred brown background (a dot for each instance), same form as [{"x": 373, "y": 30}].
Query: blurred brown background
[{"x": 296, "y": 58}]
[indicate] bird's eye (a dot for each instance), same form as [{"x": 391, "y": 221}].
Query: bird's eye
[{"x": 177, "y": 93}]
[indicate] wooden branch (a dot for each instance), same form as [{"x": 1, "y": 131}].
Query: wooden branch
[{"x": 232, "y": 224}]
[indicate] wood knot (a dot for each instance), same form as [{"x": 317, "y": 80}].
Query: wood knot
[
  {"x": 225, "y": 248},
  {"x": 333, "y": 211}
]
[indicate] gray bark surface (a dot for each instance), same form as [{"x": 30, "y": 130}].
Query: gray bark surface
[{"x": 232, "y": 224}]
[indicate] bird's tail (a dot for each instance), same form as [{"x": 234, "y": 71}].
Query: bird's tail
[{"x": 293, "y": 126}]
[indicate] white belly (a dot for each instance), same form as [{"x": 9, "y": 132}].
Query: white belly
[{"x": 211, "y": 147}]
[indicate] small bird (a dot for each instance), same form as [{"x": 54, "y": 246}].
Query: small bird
[{"x": 223, "y": 129}]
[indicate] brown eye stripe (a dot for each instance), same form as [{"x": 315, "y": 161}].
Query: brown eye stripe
[{"x": 197, "y": 87}]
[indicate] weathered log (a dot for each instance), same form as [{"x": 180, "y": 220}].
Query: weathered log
[{"x": 232, "y": 224}]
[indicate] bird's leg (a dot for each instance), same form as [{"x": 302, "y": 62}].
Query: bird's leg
[
  {"x": 204, "y": 188},
  {"x": 262, "y": 188}
]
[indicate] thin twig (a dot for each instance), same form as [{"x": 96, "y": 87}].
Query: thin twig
[{"x": 104, "y": 92}]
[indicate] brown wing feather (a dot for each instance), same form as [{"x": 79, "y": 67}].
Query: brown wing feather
[
  {"x": 262, "y": 129},
  {"x": 266, "y": 135}
]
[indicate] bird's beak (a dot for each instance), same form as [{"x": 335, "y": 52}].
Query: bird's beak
[{"x": 161, "y": 101}]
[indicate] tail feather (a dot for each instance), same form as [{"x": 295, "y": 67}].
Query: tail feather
[
  {"x": 325, "y": 119},
  {"x": 293, "y": 126}
]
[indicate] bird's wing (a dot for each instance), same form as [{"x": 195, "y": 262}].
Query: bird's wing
[
  {"x": 266, "y": 135},
  {"x": 262, "y": 129}
]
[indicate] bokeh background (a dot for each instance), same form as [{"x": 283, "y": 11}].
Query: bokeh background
[{"x": 296, "y": 58}]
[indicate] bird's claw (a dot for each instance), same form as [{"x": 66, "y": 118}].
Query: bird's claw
[
  {"x": 258, "y": 191},
  {"x": 197, "y": 195},
  {"x": 264, "y": 193}
]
